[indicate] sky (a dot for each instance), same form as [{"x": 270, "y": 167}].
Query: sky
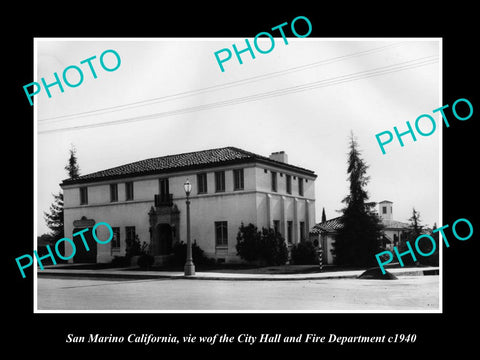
[{"x": 169, "y": 96}]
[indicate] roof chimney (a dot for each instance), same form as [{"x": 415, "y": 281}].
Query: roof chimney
[{"x": 279, "y": 156}]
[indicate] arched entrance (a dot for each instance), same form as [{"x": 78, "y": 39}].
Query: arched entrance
[{"x": 164, "y": 238}]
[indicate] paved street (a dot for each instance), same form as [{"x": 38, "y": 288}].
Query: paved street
[{"x": 406, "y": 293}]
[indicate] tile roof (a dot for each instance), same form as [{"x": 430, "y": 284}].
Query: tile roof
[
  {"x": 394, "y": 224},
  {"x": 328, "y": 226},
  {"x": 185, "y": 161},
  {"x": 335, "y": 224}
]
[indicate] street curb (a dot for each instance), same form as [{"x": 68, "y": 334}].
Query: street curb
[{"x": 119, "y": 274}]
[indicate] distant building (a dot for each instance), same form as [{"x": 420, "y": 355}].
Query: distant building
[
  {"x": 394, "y": 230},
  {"x": 325, "y": 232},
  {"x": 230, "y": 186}
]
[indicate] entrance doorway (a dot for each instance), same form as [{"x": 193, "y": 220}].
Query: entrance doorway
[
  {"x": 164, "y": 232},
  {"x": 81, "y": 254}
]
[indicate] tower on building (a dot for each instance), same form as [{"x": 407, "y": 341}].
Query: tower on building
[{"x": 385, "y": 209}]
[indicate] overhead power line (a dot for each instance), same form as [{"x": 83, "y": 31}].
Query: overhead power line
[
  {"x": 220, "y": 86},
  {"x": 410, "y": 64}
]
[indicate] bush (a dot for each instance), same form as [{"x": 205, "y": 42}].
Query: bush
[
  {"x": 304, "y": 253},
  {"x": 134, "y": 248},
  {"x": 120, "y": 261},
  {"x": 145, "y": 261},
  {"x": 198, "y": 255},
  {"x": 248, "y": 242},
  {"x": 265, "y": 247},
  {"x": 273, "y": 249}
]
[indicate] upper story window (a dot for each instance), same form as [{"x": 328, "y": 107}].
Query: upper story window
[
  {"x": 300, "y": 186},
  {"x": 83, "y": 195},
  {"x": 202, "y": 183},
  {"x": 384, "y": 209},
  {"x": 274, "y": 181},
  {"x": 288, "y": 179},
  {"x": 113, "y": 192},
  {"x": 238, "y": 179},
  {"x": 220, "y": 181},
  {"x": 164, "y": 187},
  {"x": 129, "y": 190}
]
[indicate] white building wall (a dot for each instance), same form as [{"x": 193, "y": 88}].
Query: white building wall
[
  {"x": 249, "y": 205},
  {"x": 117, "y": 215}
]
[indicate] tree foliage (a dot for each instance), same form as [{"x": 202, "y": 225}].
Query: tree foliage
[
  {"x": 55, "y": 217},
  {"x": 72, "y": 167},
  {"x": 358, "y": 239},
  {"x": 415, "y": 228},
  {"x": 304, "y": 253},
  {"x": 264, "y": 247}
]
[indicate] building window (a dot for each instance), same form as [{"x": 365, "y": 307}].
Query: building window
[
  {"x": 276, "y": 226},
  {"x": 164, "y": 187},
  {"x": 289, "y": 231},
  {"x": 274, "y": 181},
  {"x": 288, "y": 179},
  {"x": 384, "y": 209},
  {"x": 302, "y": 231},
  {"x": 238, "y": 179},
  {"x": 202, "y": 183},
  {"x": 116, "y": 239},
  {"x": 300, "y": 186},
  {"x": 83, "y": 195},
  {"x": 113, "y": 192},
  {"x": 220, "y": 181},
  {"x": 129, "y": 234},
  {"x": 221, "y": 234},
  {"x": 129, "y": 190}
]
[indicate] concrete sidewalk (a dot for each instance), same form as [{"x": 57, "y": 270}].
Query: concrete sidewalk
[{"x": 125, "y": 273}]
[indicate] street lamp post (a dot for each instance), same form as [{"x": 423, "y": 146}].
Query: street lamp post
[{"x": 189, "y": 268}]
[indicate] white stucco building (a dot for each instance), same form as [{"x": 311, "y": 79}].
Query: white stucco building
[
  {"x": 325, "y": 232},
  {"x": 230, "y": 186},
  {"x": 394, "y": 230}
]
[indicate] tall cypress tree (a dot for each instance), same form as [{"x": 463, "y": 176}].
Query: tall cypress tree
[
  {"x": 358, "y": 240},
  {"x": 415, "y": 229},
  {"x": 72, "y": 167}
]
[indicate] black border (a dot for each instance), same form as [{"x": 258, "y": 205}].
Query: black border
[{"x": 435, "y": 332}]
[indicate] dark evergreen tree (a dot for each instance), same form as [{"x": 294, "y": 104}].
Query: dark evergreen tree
[
  {"x": 415, "y": 229},
  {"x": 72, "y": 167},
  {"x": 434, "y": 259},
  {"x": 358, "y": 240},
  {"x": 324, "y": 217},
  {"x": 54, "y": 218}
]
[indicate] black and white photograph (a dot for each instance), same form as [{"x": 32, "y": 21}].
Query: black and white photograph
[
  {"x": 282, "y": 180},
  {"x": 243, "y": 178}
]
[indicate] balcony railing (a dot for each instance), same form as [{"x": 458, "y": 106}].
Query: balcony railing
[{"x": 163, "y": 200}]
